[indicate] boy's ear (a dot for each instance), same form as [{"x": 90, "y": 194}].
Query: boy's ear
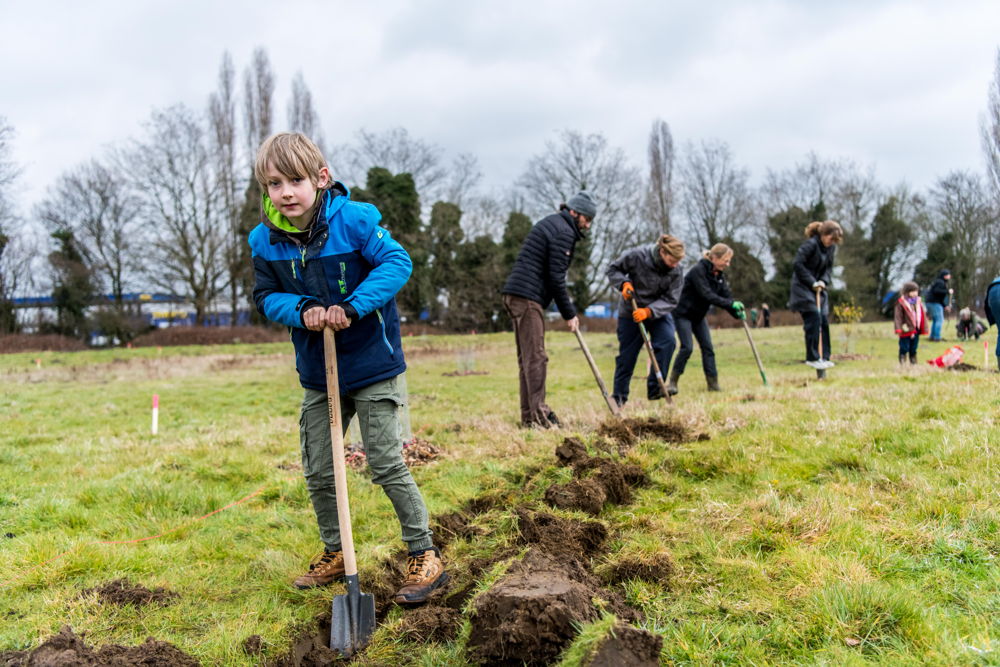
[{"x": 324, "y": 178}]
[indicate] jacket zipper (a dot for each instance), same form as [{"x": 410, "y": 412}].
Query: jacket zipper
[{"x": 385, "y": 339}]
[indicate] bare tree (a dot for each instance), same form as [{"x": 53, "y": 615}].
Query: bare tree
[
  {"x": 660, "y": 196},
  {"x": 398, "y": 152},
  {"x": 463, "y": 178},
  {"x": 173, "y": 167},
  {"x": 95, "y": 202},
  {"x": 9, "y": 171},
  {"x": 575, "y": 162},
  {"x": 222, "y": 123},
  {"x": 716, "y": 198},
  {"x": 302, "y": 115},
  {"x": 964, "y": 210},
  {"x": 989, "y": 128},
  {"x": 17, "y": 255},
  {"x": 258, "y": 99}
]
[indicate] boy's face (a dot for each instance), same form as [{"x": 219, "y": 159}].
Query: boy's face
[{"x": 293, "y": 196}]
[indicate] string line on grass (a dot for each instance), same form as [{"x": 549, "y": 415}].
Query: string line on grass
[{"x": 242, "y": 500}]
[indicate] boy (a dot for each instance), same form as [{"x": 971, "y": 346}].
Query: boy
[
  {"x": 321, "y": 260},
  {"x": 910, "y": 319}
]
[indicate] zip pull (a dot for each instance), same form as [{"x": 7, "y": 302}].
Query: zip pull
[
  {"x": 293, "y": 269},
  {"x": 302, "y": 251}
]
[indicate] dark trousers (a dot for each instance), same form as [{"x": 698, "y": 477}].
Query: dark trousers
[
  {"x": 699, "y": 329},
  {"x": 661, "y": 334},
  {"x": 814, "y": 322},
  {"x": 908, "y": 346},
  {"x": 532, "y": 362}
]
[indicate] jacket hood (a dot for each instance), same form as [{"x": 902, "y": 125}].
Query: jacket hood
[
  {"x": 273, "y": 219},
  {"x": 943, "y": 272}
]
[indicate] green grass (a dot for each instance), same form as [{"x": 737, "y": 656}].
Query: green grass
[{"x": 850, "y": 521}]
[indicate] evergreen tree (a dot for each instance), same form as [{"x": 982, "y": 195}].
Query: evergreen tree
[
  {"x": 445, "y": 237},
  {"x": 474, "y": 295},
  {"x": 73, "y": 287},
  {"x": 745, "y": 274}
]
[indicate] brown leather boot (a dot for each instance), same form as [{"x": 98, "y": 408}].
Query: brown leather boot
[
  {"x": 323, "y": 571},
  {"x": 424, "y": 574}
]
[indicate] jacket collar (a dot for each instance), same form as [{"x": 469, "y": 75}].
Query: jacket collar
[{"x": 282, "y": 230}]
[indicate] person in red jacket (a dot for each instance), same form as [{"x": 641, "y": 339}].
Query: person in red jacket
[{"x": 911, "y": 321}]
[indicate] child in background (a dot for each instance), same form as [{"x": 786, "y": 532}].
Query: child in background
[{"x": 911, "y": 321}]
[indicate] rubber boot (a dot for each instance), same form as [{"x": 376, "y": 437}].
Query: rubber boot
[
  {"x": 672, "y": 385},
  {"x": 913, "y": 357},
  {"x": 713, "y": 382},
  {"x": 902, "y": 359}
]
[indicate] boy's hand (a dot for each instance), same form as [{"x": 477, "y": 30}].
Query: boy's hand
[{"x": 317, "y": 318}]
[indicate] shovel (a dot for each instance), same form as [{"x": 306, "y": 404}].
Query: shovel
[
  {"x": 352, "y": 620},
  {"x": 821, "y": 365},
  {"x": 597, "y": 375},
  {"x": 652, "y": 356},
  {"x": 756, "y": 356}
]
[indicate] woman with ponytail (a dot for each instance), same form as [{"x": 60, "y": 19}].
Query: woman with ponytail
[
  {"x": 704, "y": 286},
  {"x": 811, "y": 276}
]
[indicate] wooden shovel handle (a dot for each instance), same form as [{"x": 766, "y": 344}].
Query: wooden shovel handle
[{"x": 337, "y": 440}]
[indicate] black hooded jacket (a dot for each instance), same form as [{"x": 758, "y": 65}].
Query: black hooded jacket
[
  {"x": 704, "y": 287},
  {"x": 813, "y": 262},
  {"x": 539, "y": 272},
  {"x": 938, "y": 291}
]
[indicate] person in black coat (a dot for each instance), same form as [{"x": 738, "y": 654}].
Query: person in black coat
[
  {"x": 811, "y": 276},
  {"x": 704, "y": 286},
  {"x": 538, "y": 278},
  {"x": 938, "y": 301}
]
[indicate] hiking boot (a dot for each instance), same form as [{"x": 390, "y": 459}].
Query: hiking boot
[
  {"x": 323, "y": 571},
  {"x": 653, "y": 393},
  {"x": 424, "y": 574},
  {"x": 553, "y": 420},
  {"x": 672, "y": 387},
  {"x": 713, "y": 382}
]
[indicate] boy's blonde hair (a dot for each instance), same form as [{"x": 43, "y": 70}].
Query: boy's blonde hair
[{"x": 292, "y": 154}]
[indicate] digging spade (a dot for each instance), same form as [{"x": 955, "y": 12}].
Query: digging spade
[
  {"x": 597, "y": 375},
  {"x": 756, "y": 356},
  {"x": 352, "y": 620},
  {"x": 652, "y": 356},
  {"x": 821, "y": 365}
]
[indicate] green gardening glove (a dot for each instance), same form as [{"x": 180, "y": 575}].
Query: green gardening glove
[{"x": 740, "y": 310}]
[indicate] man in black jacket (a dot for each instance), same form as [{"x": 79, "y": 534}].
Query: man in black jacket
[
  {"x": 538, "y": 278},
  {"x": 938, "y": 300}
]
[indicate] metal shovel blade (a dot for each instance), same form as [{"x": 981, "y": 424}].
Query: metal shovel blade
[{"x": 352, "y": 620}]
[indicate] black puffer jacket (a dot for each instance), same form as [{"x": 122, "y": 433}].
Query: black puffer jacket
[
  {"x": 938, "y": 291},
  {"x": 704, "y": 287},
  {"x": 539, "y": 272},
  {"x": 813, "y": 262}
]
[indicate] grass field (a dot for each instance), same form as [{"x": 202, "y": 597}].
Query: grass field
[{"x": 850, "y": 521}]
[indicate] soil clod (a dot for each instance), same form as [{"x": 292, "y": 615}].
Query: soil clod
[
  {"x": 567, "y": 539},
  {"x": 628, "y": 431},
  {"x": 431, "y": 623},
  {"x": 586, "y": 495},
  {"x": 531, "y": 614},
  {"x": 451, "y": 526},
  {"x": 122, "y": 592},
  {"x": 67, "y": 649},
  {"x": 628, "y": 645},
  {"x": 657, "y": 568},
  {"x": 253, "y": 645}
]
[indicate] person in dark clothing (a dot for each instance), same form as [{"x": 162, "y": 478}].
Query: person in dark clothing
[
  {"x": 765, "y": 312},
  {"x": 811, "y": 276},
  {"x": 538, "y": 278},
  {"x": 993, "y": 310},
  {"x": 938, "y": 301},
  {"x": 704, "y": 286},
  {"x": 651, "y": 277}
]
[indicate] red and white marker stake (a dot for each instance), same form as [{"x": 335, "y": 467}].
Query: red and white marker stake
[{"x": 156, "y": 412}]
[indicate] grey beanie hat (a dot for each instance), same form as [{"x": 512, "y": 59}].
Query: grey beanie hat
[{"x": 582, "y": 203}]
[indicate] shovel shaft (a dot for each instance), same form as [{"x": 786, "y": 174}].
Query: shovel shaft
[
  {"x": 652, "y": 357},
  {"x": 820, "y": 372},
  {"x": 756, "y": 356},
  {"x": 337, "y": 440},
  {"x": 597, "y": 375}
]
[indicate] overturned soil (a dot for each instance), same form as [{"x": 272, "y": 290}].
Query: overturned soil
[
  {"x": 532, "y": 613},
  {"x": 67, "y": 649},
  {"x": 628, "y": 431},
  {"x": 963, "y": 367},
  {"x": 598, "y": 480},
  {"x": 431, "y": 623},
  {"x": 568, "y": 539},
  {"x": 122, "y": 592},
  {"x": 657, "y": 568},
  {"x": 627, "y": 645},
  {"x": 416, "y": 452}
]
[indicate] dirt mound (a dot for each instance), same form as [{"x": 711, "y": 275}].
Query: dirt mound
[
  {"x": 627, "y": 645},
  {"x": 586, "y": 495},
  {"x": 431, "y": 623},
  {"x": 962, "y": 367},
  {"x": 122, "y": 592},
  {"x": 567, "y": 539},
  {"x": 598, "y": 480},
  {"x": 253, "y": 645},
  {"x": 66, "y": 649},
  {"x": 658, "y": 568},
  {"x": 311, "y": 648},
  {"x": 628, "y": 431},
  {"x": 531, "y": 614}
]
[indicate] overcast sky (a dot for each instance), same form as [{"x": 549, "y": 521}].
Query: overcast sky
[{"x": 898, "y": 84}]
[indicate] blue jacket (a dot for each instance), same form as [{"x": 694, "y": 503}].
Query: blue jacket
[
  {"x": 344, "y": 257},
  {"x": 993, "y": 303}
]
